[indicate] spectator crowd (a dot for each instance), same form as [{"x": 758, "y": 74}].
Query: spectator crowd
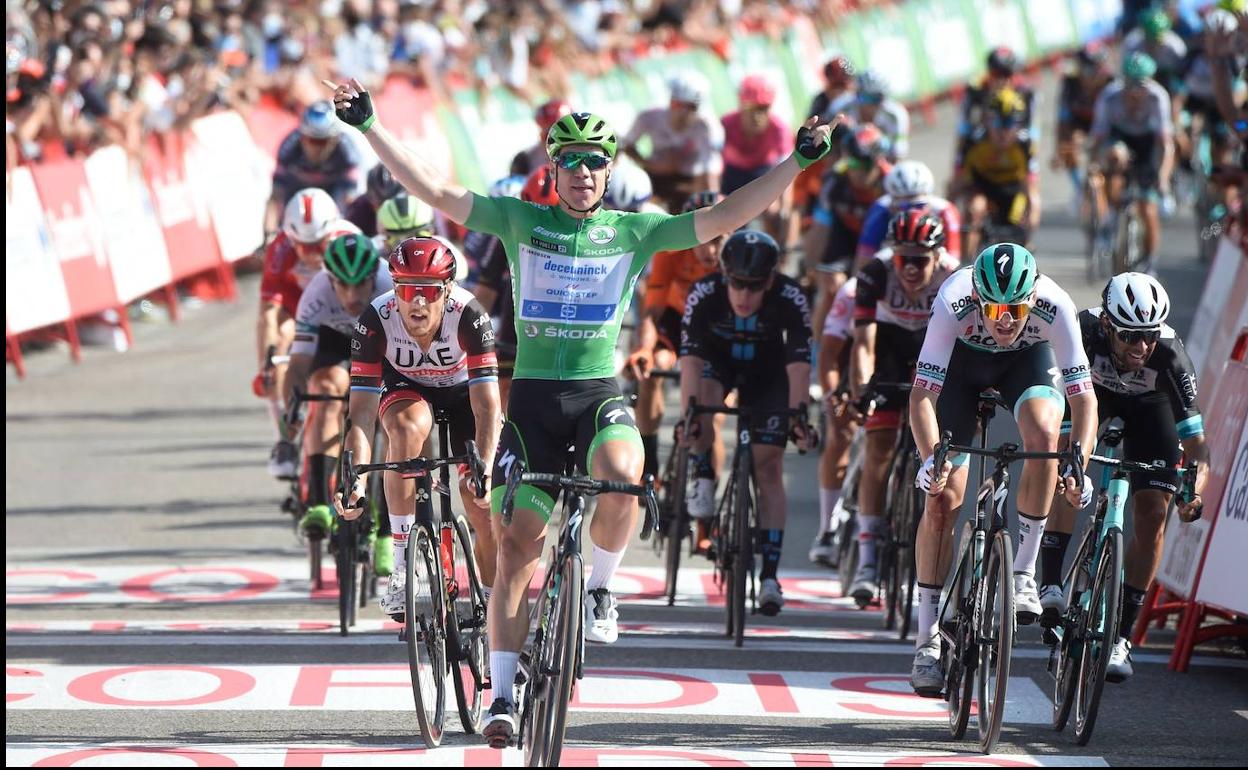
[{"x": 82, "y": 73}]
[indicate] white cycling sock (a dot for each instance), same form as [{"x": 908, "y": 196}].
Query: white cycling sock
[
  {"x": 868, "y": 528},
  {"x": 1030, "y": 533},
  {"x": 503, "y": 667},
  {"x": 400, "y": 526},
  {"x": 605, "y": 564},
  {"x": 927, "y": 598},
  {"x": 828, "y": 499}
]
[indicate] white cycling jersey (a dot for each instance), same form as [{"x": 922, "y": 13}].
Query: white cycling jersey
[
  {"x": 319, "y": 308},
  {"x": 892, "y": 118},
  {"x": 693, "y": 150},
  {"x": 956, "y": 318},
  {"x": 840, "y": 319}
]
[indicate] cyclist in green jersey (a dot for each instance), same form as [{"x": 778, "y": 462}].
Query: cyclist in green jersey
[{"x": 573, "y": 269}]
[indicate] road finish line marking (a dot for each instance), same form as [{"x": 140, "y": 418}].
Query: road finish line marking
[
  {"x": 273, "y": 755},
  {"x": 286, "y": 581},
  {"x": 696, "y": 692}
]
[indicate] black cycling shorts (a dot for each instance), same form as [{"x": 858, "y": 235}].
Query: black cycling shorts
[
  {"x": 1018, "y": 375},
  {"x": 544, "y": 418},
  {"x": 1146, "y": 156},
  {"x": 765, "y": 390},
  {"x": 454, "y": 401},
  {"x": 896, "y": 353},
  {"x": 1006, "y": 201},
  {"x": 333, "y": 348},
  {"x": 1149, "y": 434}
]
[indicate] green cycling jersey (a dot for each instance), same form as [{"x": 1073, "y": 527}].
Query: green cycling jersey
[{"x": 573, "y": 279}]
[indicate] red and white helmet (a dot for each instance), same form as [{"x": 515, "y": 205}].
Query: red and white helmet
[
  {"x": 342, "y": 227},
  {"x": 424, "y": 258},
  {"x": 309, "y": 215}
]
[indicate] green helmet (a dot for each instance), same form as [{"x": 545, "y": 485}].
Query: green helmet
[
  {"x": 1155, "y": 22},
  {"x": 1138, "y": 66},
  {"x": 351, "y": 259},
  {"x": 404, "y": 213},
  {"x": 1004, "y": 273},
  {"x": 580, "y": 128}
]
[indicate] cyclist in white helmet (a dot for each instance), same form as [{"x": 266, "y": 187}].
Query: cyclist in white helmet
[
  {"x": 1142, "y": 375},
  {"x": 629, "y": 189},
  {"x": 909, "y": 185},
  {"x": 685, "y": 142}
]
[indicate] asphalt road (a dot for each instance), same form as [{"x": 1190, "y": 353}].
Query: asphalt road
[{"x": 155, "y": 591}]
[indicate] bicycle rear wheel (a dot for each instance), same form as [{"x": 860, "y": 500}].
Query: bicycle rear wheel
[
  {"x": 1100, "y": 636},
  {"x": 847, "y": 564},
  {"x": 316, "y": 548},
  {"x": 959, "y": 657},
  {"x": 466, "y": 632},
  {"x": 678, "y": 520},
  {"x": 1075, "y": 582},
  {"x": 995, "y": 637},
  {"x": 424, "y": 633},
  {"x": 557, "y": 666}
]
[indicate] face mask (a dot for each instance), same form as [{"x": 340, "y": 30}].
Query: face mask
[{"x": 116, "y": 28}]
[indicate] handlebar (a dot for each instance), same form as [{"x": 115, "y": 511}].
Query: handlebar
[
  {"x": 1005, "y": 454},
  {"x": 1188, "y": 472},
  {"x": 351, "y": 472},
  {"x": 693, "y": 409},
  {"x": 582, "y": 485}
]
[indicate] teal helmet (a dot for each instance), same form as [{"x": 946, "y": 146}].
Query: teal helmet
[
  {"x": 1138, "y": 66},
  {"x": 1004, "y": 273},
  {"x": 351, "y": 258},
  {"x": 1155, "y": 22},
  {"x": 580, "y": 128}
]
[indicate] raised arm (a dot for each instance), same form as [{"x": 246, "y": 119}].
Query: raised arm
[
  {"x": 417, "y": 175},
  {"x": 746, "y": 203}
]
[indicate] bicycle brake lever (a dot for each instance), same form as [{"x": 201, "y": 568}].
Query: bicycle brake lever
[{"x": 652, "y": 508}]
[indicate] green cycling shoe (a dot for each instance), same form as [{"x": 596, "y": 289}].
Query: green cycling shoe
[{"x": 318, "y": 522}]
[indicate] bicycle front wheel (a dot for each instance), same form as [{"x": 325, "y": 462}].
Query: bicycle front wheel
[
  {"x": 1066, "y": 678},
  {"x": 677, "y": 520},
  {"x": 424, "y": 632},
  {"x": 995, "y": 637},
  {"x": 346, "y": 564},
  {"x": 466, "y": 632},
  {"x": 959, "y": 657},
  {"x": 1100, "y": 636},
  {"x": 744, "y": 547},
  {"x": 557, "y": 666}
]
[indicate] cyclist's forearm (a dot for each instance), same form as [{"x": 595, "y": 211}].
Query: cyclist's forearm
[
  {"x": 829, "y": 358},
  {"x": 419, "y": 176},
  {"x": 363, "y": 410},
  {"x": 296, "y": 375},
  {"x": 799, "y": 384},
  {"x": 923, "y": 420},
  {"x": 267, "y": 333},
  {"x": 647, "y": 333},
  {"x": 1196, "y": 449},
  {"x": 1083, "y": 423},
  {"x": 690, "y": 378},
  {"x": 487, "y": 411},
  {"x": 861, "y": 360},
  {"x": 745, "y": 203}
]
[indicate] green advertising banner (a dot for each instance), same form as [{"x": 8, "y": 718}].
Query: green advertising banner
[
  {"x": 939, "y": 22},
  {"x": 894, "y": 50}
]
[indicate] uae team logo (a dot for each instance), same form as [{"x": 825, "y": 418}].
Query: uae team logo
[{"x": 601, "y": 234}]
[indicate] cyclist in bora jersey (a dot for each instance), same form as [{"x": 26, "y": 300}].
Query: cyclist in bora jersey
[
  {"x": 574, "y": 268},
  {"x": 997, "y": 324}
]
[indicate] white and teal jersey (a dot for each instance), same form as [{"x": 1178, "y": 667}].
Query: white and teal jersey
[{"x": 956, "y": 318}]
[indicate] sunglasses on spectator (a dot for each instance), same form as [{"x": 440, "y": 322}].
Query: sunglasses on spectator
[
  {"x": 914, "y": 260},
  {"x": 430, "y": 292},
  {"x": 996, "y": 311},
  {"x": 751, "y": 285},
  {"x": 1136, "y": 336},
  {"x": 570, "y": 160}
]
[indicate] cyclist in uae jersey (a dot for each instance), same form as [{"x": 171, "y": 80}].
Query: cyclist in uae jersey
[
  {"x": 573, "y": 269},
  {"x": 998, "y": 324},
  {"x": 1143, "y": 376},
  {"x": 425, "y": 346},
  {"x": 891, "y": 311}
]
